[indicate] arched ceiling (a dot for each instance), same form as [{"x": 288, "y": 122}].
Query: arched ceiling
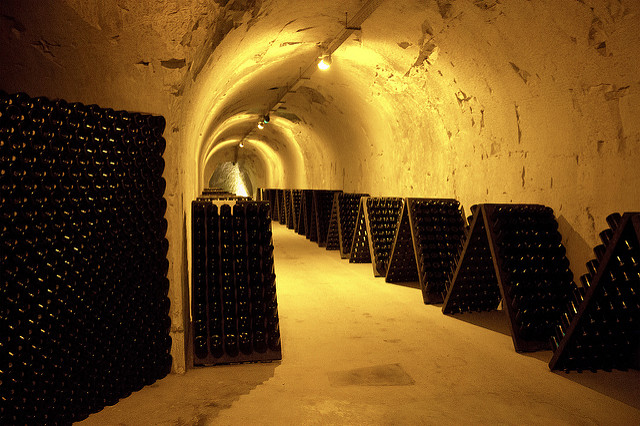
[
  {"x": 474, "y": 99},
  {"x": 320, "y": 118}
]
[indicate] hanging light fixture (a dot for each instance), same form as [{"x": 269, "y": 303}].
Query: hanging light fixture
[
  {"x": 260, "y": 125},
  {"x": 325, "y": 62}
]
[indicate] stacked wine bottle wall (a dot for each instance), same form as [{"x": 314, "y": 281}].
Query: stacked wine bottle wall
[
  {"x": 234, "y": 303},
  {"x": 83, "y": 308}
]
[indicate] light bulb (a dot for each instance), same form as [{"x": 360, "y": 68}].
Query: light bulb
[
  {"x": 260, "y": 125},
  {"x": 241, "y": 144},
  {"x": 325, "y": 63}
]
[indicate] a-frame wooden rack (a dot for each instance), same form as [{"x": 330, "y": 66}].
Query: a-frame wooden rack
[
  {"x": 269, "y": 194},
  {"x": 333, "y": 237},
  {"x": 375, "y": 228},
  {"x": 288, "y": 208},
  {"x": 282, "y": 206},
  {"x": 402, "y": 260},
  {"x": 360, "y": 246},
  {"x": 305, "y": 215},
  {"x": 601, "y": 329},
  {"x": 321, "y": 210},
  {"x": 513, "y": 253},
  {"x": 344, "y": 213},
  {"x": 296, "y": 198},
  {"x": 427, "y": 243}
]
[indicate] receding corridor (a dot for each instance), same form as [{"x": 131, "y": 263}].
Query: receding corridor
[
  {"x": 124, "y": 124},
  {"x": 357, "y": 350}
]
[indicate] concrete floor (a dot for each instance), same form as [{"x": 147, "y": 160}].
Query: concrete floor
[{"x": 357, "y": 350}]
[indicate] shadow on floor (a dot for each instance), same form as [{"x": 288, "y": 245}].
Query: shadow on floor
[
  {"x": 193, "y": 398},
  {"x": 410, "y": 284},
  {"x": 544, "y": 356},
  {"x": 623, "y": 386},
  {"x": 493, "y": 320}
]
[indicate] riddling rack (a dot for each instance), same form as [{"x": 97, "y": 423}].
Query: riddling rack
[
  {"x": 381, "y": 215},
  {"x": 513, "y": 252},
  {"x": 304, "y": 218},
  {"x": 296, "y": 197},
  {"x": 321, "y": 210},
  {"x": 84, "y": 312},
  {"x": 438, "y": 232},
  {"x": 234, "y": 303},
  {"x": 360, "y": 246},
  {"x": 600, "y": 328},
  {"x": 333, "y": 239},
  {"x": 288, "y": 208},
  {"x": 402, "y": 261},
  {"x": 312, "y": 224},
  {"x": 282, "y": 207},
  {"x": 269, "y": 194},
  {"x": 346, "y": 215}
]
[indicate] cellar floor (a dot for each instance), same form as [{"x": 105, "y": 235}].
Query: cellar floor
[{"x": 357, "y": 350}]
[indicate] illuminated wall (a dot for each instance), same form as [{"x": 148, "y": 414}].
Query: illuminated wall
[{"x": 484, "y": 101}]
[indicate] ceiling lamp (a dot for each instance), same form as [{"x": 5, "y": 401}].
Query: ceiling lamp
[
  {"x": 241, "y": 144},
  {"x": 325, "y": 62},
  {"x": 260, "y": 124}
]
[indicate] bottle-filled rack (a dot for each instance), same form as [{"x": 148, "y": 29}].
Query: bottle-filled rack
[
  {"x": 269, "y": 195},
  {"x": 304, "y": 218},
  {"x": 282, "y": 207},
  {"x": 360, "y": 251},
  {"x": 402, "y": 260},
  {"x": 509, "y": 256},
  {"x": 273, "y": 204},
  {"x": 599, "y": 327},
  {"x": 288, "y": 209},
  {"x": 234, "y": 304},
  {"x": 84, "y": 312},
  {"x": 346, "y": 205},
  {"x": 321, "y": 210},
  {"x": 333, "y": 238},
  {"x": 375, "y": 228},
  {"x": 307, "y": 212},
  {"x": 513, "y": 253},
  {"x": 437, "y": 232},
  {"x": 296, "y": 198}
]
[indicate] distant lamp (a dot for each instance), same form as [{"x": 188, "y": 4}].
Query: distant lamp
[
  {"x": 241, "y": 144},
  {"x": 260, "y": 125},
  {"x": 325, "y": 62}
]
